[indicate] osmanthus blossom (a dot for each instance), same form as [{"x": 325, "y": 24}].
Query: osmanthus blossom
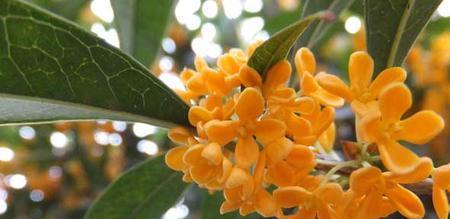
[
  {"x": 441, "y": 185},
  {"x": 385, "y": 127},
  {"x": 362, "y": 90},
  {"x": 377, "y": 194},
  {"x": 261, "y": 142}
]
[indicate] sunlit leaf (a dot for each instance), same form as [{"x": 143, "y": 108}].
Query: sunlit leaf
[
  {"x": 141, "y": 25},
  {"x": 51, "y": 69},
  {"x": 277, "y": 47},
  {"x": 145, "y": 191},
  {"x": 393, "y": 26}
]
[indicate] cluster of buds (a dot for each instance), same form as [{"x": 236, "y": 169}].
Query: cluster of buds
[{"x": 261, "y": 142}]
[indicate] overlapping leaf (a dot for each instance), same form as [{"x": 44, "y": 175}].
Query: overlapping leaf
[
  {"x": 145, "y": 191},
  {"x": 277, "y": 47},
  {"x": 392, "y": 27},
  {"x": 52, "y": 70},
  {"x": 141, "y": 25}
]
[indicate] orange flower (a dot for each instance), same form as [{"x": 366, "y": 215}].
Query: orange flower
[
  {"x": 287, "y": 163},
  {"x": 208, "y": 166},
  {"x": 321, "y": 203},
  {"x": 441, "y": 184},
  {"x": 379, "y": 194},
  {"x": 306, "y": 68},
  {"x": 249, "y": 107},
  {"x": 307, "y": 128},
  {"x": 246, "y": 193},
  {"x": 361, "y": 90},
  {"x": 385, "y": 128}
]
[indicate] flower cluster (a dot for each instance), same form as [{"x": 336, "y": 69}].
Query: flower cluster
[
  {"x": 431, "y": 76},
  {"x": 262, "y": 143}
]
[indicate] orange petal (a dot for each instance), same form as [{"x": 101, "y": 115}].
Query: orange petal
[
  {"x": 420, "y": 127},
  {"x": 363, "y": 179},
  {"x": 334, "y": 85},
  {"x": 397, "y": 158},
  {"x": 327, "y": 138},
  {"x": 441, "y": 176},
  {"x": 250, "y": 104},
  {"x": 265, "y": 204},
  {"x": 246, "y": 152},
  {"x": 179, "y": 135},
  {"x": 186, "y": 74},
  {"x": 327, "y": 99},
  {"x": 215, "y": 81},
  {"x": 250, "y": 77},
  {"x": 280, "y": 174},
  {"x": 305, "y": 61},
  {"x": 394, "y": 101},
  {"x": 407, "y": 203},
  {"x": 304, "y": 105},
  {"x": 200, "y": 63},
  {"x": 174, "y": 158},
  {"x": 386, "y": 77},
  {"x": 193, "y": 155},
  {"x": 277, "y": 76},
  {"x": 228, "y": 207},
  {"x": 308, "y": 84},
  {"x": 278, "y": 150},
  {"x": 197, "y": 84},
  {"x": 268, "y": 130},
  {"x": 202, "y": 174},
  {"x": 213, "y": 153},
  {"x": 237, "y": 178},
  {"x": 199, "y": 114},
  {"x": 421, "y": 171},
  {"x": 246, "y": 209},
  {"x": 360, "y": 70},
  {"x": 302, "y": 158},
  {"x": 258, "y": 173},
  {"x": 298, "y": 126},
  {"x": 221, "y": 132},
  {"x": 291, "y": 196},
  {"x": 324, "y": 121},
  {"x": 440, "y": 202},
  {"x": 228, "y": 64}
]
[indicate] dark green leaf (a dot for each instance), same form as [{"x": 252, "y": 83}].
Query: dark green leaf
[
  {"x": 51, "y": 69},
  {"x": 69, "y": 9},
  {"x": 315, "y": 31},
  {"x": 141, "y": 25},
  {"x": 145, "y": 191},
  {"x": 277, "y": 47},
  {"x": 211, "y": 208},
  {"x": 393, "y": 26}
]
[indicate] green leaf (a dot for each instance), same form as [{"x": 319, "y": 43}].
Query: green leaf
[
  {"x": 145, "y": 191},
  {"x": 393, "y": 26},
  {"x": 141, "y": 25},
  {"x": 277, "y": 47},
  {"x": 211, "y": 208},
  {"x": 69, "y": 9},
  {"x": 51, "y": 69},
  {"x": 317, "y": 29}
]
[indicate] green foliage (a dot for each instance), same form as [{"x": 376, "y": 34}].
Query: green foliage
[
  {"x": 141, "y": 25},
  {"x": 278, "y": 46},
  {"x": 52, "y": 70},
  {"x": 145, "y": 191},
  {"x": 69, "y": 9},
  {"x": 393, "y": 26}
]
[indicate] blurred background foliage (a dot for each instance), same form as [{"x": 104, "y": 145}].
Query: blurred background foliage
[{"x": 56, "y": 170}]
